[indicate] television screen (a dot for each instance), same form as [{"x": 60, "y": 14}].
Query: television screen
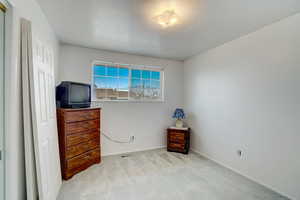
[{"x": 79, "y": 93}]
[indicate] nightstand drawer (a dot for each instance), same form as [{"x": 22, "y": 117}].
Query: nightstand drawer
[
  {"x": 176, "y": 137},
  {"x": 176, "y": 146}
]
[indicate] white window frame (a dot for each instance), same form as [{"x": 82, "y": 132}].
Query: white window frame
[{"x": 130, "y": 67}]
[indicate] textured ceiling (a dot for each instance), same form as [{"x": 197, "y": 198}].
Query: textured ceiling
[{"x": 128, "y": 25}]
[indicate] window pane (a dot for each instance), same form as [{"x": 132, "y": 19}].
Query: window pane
[
  {"x": 123, "y": 88},
  {"x": 124, "y": 72},
  {"x": 112, "y": 71},
  {"x": 136, "y": 83},
  {"x": 146, "y": 74},
  {"x": 147, "y": 93},
  {"x": 100, "y": 82},
  {"x": 123, "y": 94},
  {"x": 146, "y": 84},
  {"x": 123, "y": 84},
  {"x": 99, "y": 70},
  {"x": 155, "y": 75},
  {"x": 100, "y": 87},
  {"x": 136, "y": 91},
  {"x": 112, "y": 86},
  {"x": 112, "y": 83},
  {"x": 135, "y": 73},
  {"x": 155, "y": 84},
  {"x": 100, "y": 93},
  {"x": 155, "y": 94}
]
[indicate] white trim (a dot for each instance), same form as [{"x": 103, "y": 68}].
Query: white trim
[
  {"x": 3, "y": 104},
  {"x": 134, "y": 151},
  {"x": 8, "y": 114},
  {"x": 9, "y": 94},
  {"x": 240, "y": 173}
]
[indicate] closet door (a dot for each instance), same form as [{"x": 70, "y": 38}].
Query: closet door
[
  {"x": 44, "y": 115},
  {"x": 2, "y": 13}
]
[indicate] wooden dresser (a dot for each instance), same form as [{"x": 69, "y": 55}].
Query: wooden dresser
[
  {"x": 178, "y": 140},
  {"x": 79, "y": 139}
]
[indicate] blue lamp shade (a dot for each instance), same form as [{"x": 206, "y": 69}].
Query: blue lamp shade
[{"x": 178, "y": 114}]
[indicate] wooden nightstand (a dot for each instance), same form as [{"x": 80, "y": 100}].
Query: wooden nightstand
[{"x": 178, "y": 140}]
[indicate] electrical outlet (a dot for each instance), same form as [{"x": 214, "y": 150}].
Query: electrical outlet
[
  {"x": 239, "y": 153},
  {"x": 132, "y": 138}
]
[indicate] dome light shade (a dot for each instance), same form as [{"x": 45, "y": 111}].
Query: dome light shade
[{"x": 167, "y": 18}]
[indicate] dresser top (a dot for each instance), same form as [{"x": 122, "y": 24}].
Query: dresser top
[{"x": 78, "y": 109}]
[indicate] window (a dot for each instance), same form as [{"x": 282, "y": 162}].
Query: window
[{"x": 128, "y": 83}]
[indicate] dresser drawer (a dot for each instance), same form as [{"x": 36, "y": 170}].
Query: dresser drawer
[
  {"x": 76, "y": 127},
  {"x": 176, "y": 146},
  {"x": 85, "y": 159},
  {"x": 81, "y": 148},
  {"x": 176, "y": 137},
  {"x": 81, "y": 137},
  {"x": 75, "y": 116}
]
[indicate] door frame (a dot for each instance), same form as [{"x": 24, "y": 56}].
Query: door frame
[
  {"x": 3, "y": 70},
  {"x": 7, "y": 73}
]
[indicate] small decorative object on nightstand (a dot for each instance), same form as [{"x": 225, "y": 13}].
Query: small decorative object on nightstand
[
  {"x": 179, "y": 115},
  {"x": 178, "y": 139}
]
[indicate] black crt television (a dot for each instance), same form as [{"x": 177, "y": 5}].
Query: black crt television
[{"x": 73, "y": 95}]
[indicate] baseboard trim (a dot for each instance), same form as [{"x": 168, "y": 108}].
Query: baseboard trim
[
  {"x": 238, "y": 172},
  {"x": 133, "y": 151}
]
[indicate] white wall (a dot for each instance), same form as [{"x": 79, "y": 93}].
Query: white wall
[
  {"x": 146, "y": 121},
  {"x": 245, "y": 95},
  {"x": 29, "y": 9}
]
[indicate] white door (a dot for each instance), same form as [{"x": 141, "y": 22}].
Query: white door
[
  {"x": 44, "y": 119},
  {"x": 1, "y": 103}
]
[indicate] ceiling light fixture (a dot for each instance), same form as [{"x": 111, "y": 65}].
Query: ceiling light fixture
[{"x": 167, "y": 18}]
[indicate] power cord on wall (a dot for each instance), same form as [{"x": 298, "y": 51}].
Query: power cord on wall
[{"x": 131, "y": 139}]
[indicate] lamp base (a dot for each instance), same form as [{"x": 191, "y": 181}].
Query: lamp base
[{"x": 179, "y": 123}]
